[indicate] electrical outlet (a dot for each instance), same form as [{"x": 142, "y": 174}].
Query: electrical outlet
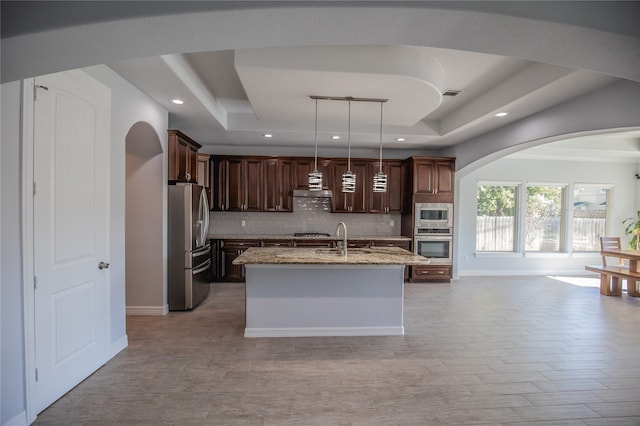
[
  {"x": 243, "y": 223},
  {"x": 391, "y": 222}
]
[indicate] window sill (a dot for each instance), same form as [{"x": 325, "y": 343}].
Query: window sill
[
  {"x": 497, "y": 254},
  {"x": 546, "y": 255}
]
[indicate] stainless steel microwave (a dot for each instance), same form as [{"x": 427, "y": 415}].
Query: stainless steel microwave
[{"x": 433, "y": 215}]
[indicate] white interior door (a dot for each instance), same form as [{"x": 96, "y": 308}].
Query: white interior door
[{"x": 71, "y": 297}]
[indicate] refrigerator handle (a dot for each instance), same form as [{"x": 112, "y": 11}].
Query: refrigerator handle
[{"x": 204, "y": 217}]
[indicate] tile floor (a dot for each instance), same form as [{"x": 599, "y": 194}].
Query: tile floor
[{"x": 497, "y": 351}]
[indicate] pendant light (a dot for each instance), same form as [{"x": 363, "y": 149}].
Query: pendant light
[
  {"x": 315, "y": 177},
  {"x": 380, "y": 179},
  {"x": 348, "y": 177}
]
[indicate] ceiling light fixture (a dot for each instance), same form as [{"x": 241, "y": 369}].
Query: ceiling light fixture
[
  {"x": 502, "y": 114},
  {"x": 380, "y": 179},
  {"x": 335, "y": 137},
  {"x": 315, "y": 177},
  {"x": 268, "y": 135},
  {"x": 177, "y": 101},
  {"x": 400, "y": 139},
  {"x": 348, "y": 177}
]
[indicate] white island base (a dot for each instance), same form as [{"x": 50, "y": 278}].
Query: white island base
[{"x": 291, "y": 300}]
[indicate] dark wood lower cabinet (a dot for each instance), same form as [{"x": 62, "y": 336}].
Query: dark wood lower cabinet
[
  {"x": 229, "y": 250},
  {"x": 224, "y": 252},
  {"x": 431, "y": 273}
]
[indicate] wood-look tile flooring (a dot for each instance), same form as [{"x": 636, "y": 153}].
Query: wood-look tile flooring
[{"x": 509, "y": 351}]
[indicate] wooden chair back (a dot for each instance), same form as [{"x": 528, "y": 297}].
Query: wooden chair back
[{"x": 610, "y": 243}]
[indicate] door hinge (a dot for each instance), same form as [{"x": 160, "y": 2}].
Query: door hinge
[
  {"x": 34, "y": 189},
  {"x": 35, "y": 282},
  {"x": 35, "y": 90},
  {"x": 36, "y": 374}
]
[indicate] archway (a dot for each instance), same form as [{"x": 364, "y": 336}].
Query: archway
[{"x": 145, "y": 265}]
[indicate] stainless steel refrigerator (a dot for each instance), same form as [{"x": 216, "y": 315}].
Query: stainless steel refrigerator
[{"x": 188, "y": 250}]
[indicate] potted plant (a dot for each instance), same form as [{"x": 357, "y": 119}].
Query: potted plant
[{"x": 632, "y": 229}]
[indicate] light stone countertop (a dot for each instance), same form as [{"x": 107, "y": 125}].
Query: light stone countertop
[
  {"x": 292, "y": 237},
  {"x": 327, "y": 256}
]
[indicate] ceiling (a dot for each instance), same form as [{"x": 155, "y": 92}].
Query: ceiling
[
  {"x": 232, "y": 98},
  {"x": 236, "y": 97}
]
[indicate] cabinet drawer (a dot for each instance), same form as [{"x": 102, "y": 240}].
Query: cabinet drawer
[
  {"x": 277, "y": 243},
  {"x": 240, "y": 244},
  {"x": 436, "y": 272},
  {"x": 312, "y": 243},
  {"x": 386, "y": 243}
]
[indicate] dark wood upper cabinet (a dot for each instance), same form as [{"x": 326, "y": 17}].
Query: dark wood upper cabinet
[
  {"x": 183, "y": 157},
  {"x": 204, "y": 174},
  {"x": 239, "y": 186},
  {"x": 277, "y": 190},
  {"x": 350, "y": 202},
  {"x": 433, "y": 179},
  {"x": 303, "y": 166},
  {"x": 391, "y": 200}
]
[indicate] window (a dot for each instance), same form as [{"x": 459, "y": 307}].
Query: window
[
  {"x": 496, "y": 217},
  {"x": 589, "y": 216},
  {"x": 544, "y": 224}
]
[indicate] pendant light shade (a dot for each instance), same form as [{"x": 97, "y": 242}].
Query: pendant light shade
[
  {"x": 380, "y": 179},
  {"x": 315, "y": 177},
  {"x": 348, "y": 177}
]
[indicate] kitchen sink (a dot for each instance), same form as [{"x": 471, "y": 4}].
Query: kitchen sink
[{"x": 338, "y": 251}]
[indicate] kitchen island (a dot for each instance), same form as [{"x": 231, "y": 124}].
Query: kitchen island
[{"x": 321, "y": 292}]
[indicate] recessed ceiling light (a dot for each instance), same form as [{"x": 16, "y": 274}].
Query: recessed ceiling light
[
  {"x": 399, "y": 139},
  {"x": 268, "y": 135},
  {"x": 335, "y": 138},
  {"x": 177, "y": 101},
  {"x": 501, "y": 114}
]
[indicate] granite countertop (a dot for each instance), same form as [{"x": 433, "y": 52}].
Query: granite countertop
[
  {"x": 292, "y": 237},
  {"x": 327, "y": 256}
]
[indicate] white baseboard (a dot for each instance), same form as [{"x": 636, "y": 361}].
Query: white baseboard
[
  {"x": 148, "y": 310},
  {"x": 324, "y": 331},
  {"x": 119, "y": 345},
  {"x": 19, "y": 420},
  {"x": 521, "y": 273}
]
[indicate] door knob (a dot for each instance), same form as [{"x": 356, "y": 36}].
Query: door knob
[{"x": 103, "y": 265}]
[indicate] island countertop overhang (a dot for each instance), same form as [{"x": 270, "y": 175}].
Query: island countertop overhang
[{"x": 324, "y": 256}]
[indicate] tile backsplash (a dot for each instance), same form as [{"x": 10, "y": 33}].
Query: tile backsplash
[{"x": 309, "y": 215}]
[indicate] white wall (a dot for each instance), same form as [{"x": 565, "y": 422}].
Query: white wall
[
  {"x": 621, "y": 175},
  {"x": 128, "y": 106},
  {"x": 12, "y": 392},
  {"x": 145, "y": 190}
]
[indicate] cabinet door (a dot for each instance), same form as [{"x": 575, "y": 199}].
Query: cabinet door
[
  {"x": 191, "y": 174},
  {"x": 395, "y": 186},
  {"x": 203, "y": 175},
  {"x": 286, "y": 191},
  {"x": 445, "y": 174},
  {"x": 235, "y": 192},
  {"x": 391, "y": 200},
  {"x": 231, "y": 249},
  {"x": 182, "y": 161},
  {"x": 253, "y": 185},
  {"x": 271, "y": 188},
  {"x": 277, "y": 186},
  {"x": 378, "y": 200},
  {"x": 350, "y": 202},
  {"x": 301, "y": 167},
  {"x": 219, "y": 184},
  {"x": 423, "y": 175}
]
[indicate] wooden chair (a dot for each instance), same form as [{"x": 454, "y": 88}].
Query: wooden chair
[{"x": 614, "y": 286}]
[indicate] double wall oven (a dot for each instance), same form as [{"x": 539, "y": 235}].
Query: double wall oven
[{"x": 433, "y": 232}]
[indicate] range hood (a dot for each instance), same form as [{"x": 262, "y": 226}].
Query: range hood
[{"x": 325, "y": 193}]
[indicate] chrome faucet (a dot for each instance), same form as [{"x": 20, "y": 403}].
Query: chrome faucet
[{"x": 343, "y": 247}]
